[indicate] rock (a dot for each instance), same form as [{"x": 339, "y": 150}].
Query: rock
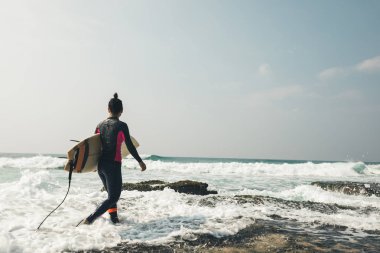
[
  {"x": 191, "y": 187},
  {"x": 152, "y": 185},
  {"x": 350, "y": 188},
  {"x": 185, "y": 186},
  {"x": 263, "y": 200}
]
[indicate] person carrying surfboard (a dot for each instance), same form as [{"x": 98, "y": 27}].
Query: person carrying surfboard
[{"x": 113, "y": 132}]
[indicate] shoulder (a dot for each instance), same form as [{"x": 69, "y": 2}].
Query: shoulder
[
  {"x": 123, "y": 124},
  {"x": 101, "y": 123}
]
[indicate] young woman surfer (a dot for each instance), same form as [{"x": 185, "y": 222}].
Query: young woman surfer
[{"x": 113, "y": 133}]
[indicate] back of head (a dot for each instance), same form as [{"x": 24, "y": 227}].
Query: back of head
[{"x": 115, "y": 105}]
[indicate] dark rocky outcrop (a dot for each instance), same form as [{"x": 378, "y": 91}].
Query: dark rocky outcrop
[
  {"x": 191, "y": 187},
  {"x": 351, "y": 188},
  {"x": 286, "y": 204},
  {"x": 185, "y": 186}
]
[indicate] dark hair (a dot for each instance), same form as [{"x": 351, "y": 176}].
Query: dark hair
[{"x": 115, "y": 105}]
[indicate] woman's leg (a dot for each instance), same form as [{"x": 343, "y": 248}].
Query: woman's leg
[
  {"x": 113, "y": 209},
  {"x": 112, "y": 174}
]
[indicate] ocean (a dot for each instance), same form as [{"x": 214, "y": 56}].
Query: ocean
[{"x": 32, "y": 185}]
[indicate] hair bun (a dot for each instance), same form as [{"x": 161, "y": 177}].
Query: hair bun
[{"x": 115, "y": 96}]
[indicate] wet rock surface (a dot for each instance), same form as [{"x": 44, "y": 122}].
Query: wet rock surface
[
  {"x": 185, "y": 186},
  {"x": 265, "y": 236},
  {"x": 351, "y": 188},
  {"x": 282, "y": 203}
]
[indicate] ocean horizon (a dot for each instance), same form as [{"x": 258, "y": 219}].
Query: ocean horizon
[{"x": 205, "y": 158}]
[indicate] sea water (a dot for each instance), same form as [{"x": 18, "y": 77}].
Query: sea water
[{"x": 33, "y": 185}]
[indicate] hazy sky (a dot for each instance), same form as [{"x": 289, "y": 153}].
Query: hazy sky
[{"x": 254, "y": 79}]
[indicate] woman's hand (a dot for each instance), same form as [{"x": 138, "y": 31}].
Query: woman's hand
[{"x": 142, "y": 165}]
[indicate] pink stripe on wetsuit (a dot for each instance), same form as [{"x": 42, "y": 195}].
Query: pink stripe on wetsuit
[{"x": 120, "y": 140}]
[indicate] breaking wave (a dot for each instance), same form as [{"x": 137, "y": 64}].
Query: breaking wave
[{"x": 34, "y": 162}]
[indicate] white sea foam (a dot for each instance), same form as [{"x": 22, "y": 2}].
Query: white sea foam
[
  {"x": 166, "y": 214},
  {"x": 373, "y": 169},
  {"x": 160, "y": 216},
  {"x": 27, "y": 201},
  {"x": 35, "y": 162},
  {"x": 317, "y": 194},
  {"x": 259, "y": 168},
  {"x": 221, "y": 168},
  {"x": 345, "y": 217}
]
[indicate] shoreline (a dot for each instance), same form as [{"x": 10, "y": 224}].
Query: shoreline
[{"x": 276, "y": 235}]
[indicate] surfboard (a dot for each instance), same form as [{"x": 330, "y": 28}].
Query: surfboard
[{"x": 84, "y": 156}]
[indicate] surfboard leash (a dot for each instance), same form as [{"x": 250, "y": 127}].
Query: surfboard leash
[{"x": 72, "y": 166}]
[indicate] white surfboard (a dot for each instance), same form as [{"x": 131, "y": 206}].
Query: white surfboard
[{"x": 84, "y": 156}]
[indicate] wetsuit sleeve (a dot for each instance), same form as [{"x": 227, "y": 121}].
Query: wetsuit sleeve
[{"x": 129, "y": 144}]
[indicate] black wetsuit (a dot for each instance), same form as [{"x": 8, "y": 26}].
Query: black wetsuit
[{"x": 113, "y": 133}]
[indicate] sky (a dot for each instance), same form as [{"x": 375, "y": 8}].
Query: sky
[{"x": 245, "y": 79}]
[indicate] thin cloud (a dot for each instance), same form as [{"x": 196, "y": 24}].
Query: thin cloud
[
  {"x": 265, "y": 70},
  {"x": 366, "y": 66},
  {"x": 369, "y": 65},
  {"x": 331, "y": 73}
]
